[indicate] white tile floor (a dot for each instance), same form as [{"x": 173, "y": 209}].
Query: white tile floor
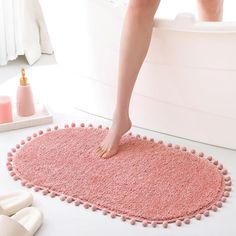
[{"x": 65, "y": 219}]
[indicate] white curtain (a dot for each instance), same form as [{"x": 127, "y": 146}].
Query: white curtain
[{"x": 22, "y": 31}]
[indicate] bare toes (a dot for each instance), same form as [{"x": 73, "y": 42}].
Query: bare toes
[
  {"x": 109, "y": 153},
  {"x": 101, "y": 152},
  {"x": 98, "y": 149}
]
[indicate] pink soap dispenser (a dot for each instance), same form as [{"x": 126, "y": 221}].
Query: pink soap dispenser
[{"x": 25, "y": 102}]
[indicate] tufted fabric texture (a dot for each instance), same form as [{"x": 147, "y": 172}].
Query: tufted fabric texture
[{"x": 146, "y": 181}]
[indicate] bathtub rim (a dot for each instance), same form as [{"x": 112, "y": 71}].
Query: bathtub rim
[
  {"x": 196, "y": 27},
  {"x": 193, "y": 26}
]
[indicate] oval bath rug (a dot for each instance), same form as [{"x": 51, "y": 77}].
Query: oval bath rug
[{"x": 147, "y": 181}]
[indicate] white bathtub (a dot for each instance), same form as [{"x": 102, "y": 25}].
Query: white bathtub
[{"x": 187, "y": 85}]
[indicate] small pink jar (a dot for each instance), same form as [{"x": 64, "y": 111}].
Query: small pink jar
[{"x": 5, "y": 109}]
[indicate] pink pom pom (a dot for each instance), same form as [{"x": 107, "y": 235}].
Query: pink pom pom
[
  {"x": 23, "y": 182},
  {"x": 12, "y": 173},
  {"x": 22, "y": 142},
  {"x": 193, "y": 151},
  {"x": 9, "y": 168},
  {"x": 13, "y": 150},
  {"x": 36, "y": 189},
  {"x": 133, "y": 222},
  {"x": 45, "y": 192},
  {"x": 29, "y": 185},
  {"x": 165, "y": 224},
  {"x": 17, "y": 146},
  {"x": 123, "y": 218},
  {"x": 198, "y": 217},
  {"x": 56, "y": 127},
  {"x": 160, "y": 142},
  {"x": 10, "y": 159},
  {"x": 69, "y": 199},
  {"x": 107, "y": 128},
  {"x": 178, "y": 223},
  {"x": 220, "y": 167},
  {"x": 187, "y": 221},
  {"x": 49, "y": 130},
  {"x": 40, "y": 132},
  {"x": 209, "y": 158},
  {"x": 206, "y": 213},
  {"x": 82, "y": 125},
  {"x": 152, "y": 139},
  {"x": 214, "y": 208},
  {"x": 145, "y": 223},
  {"x": 223, "y": 199},
  {"x": 229, "y": 183},
  {"x": 16, "y": 178},
  {"x": 227, "y": 178},
  {"x": 66, "y": 126},
  {"x": 226, "y": 194},
  {"x": 8, "y": 164},
  {"x": 201, "y": 154},
  {"x": 154, "y": 224},
  {"x": 100, "y": 126},
  {"x": 73, "y": 125},
  {"x": 35, "y": 135},
  {"x": 138, "y": 136},
  {"x": 177, "y": 146},
  {"x": 63, "y": 198},
  {"x": 113, "y": 215},
  {"x": 77, "y": 202},
  {"x": 53, "y": 194},
  {"x": 94, "y": 208},
  {"x": 28, "y": 138},
  {"x": 9, "y": 154},
  {"x": 224, "y": 172},
  {"x": 215, "y": 162},
  {"x": 219, "y": 204},
  {"x": 228, "y": 188},
  {"x": 184, "y": 149},
  {"x": 169, "y": 144},
  {"x": 86, "y": 205},
  {"x": 105, "y": 212},
  {"x": 90, "y": 125},
  {"x": 144, "y": 137}
]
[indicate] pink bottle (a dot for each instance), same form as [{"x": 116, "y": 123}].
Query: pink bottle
[{"x": 25, "y": 102}]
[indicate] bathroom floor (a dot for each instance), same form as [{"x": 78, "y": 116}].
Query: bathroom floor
[{"x": 62, "y": 218}]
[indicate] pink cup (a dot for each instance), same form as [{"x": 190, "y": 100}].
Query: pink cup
[{"x": 5, "y": 109}]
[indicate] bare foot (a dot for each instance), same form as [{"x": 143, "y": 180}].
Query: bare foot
[{"x": 110, "y": 145}]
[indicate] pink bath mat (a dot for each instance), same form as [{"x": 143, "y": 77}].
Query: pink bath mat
[{"x": 147, "y": 181}]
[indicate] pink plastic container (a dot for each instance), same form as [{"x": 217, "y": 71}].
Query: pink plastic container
[{"x": 5, "y": 109}]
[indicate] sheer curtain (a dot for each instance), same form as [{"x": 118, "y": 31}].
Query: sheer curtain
[{"x": 22, "y": 31}]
